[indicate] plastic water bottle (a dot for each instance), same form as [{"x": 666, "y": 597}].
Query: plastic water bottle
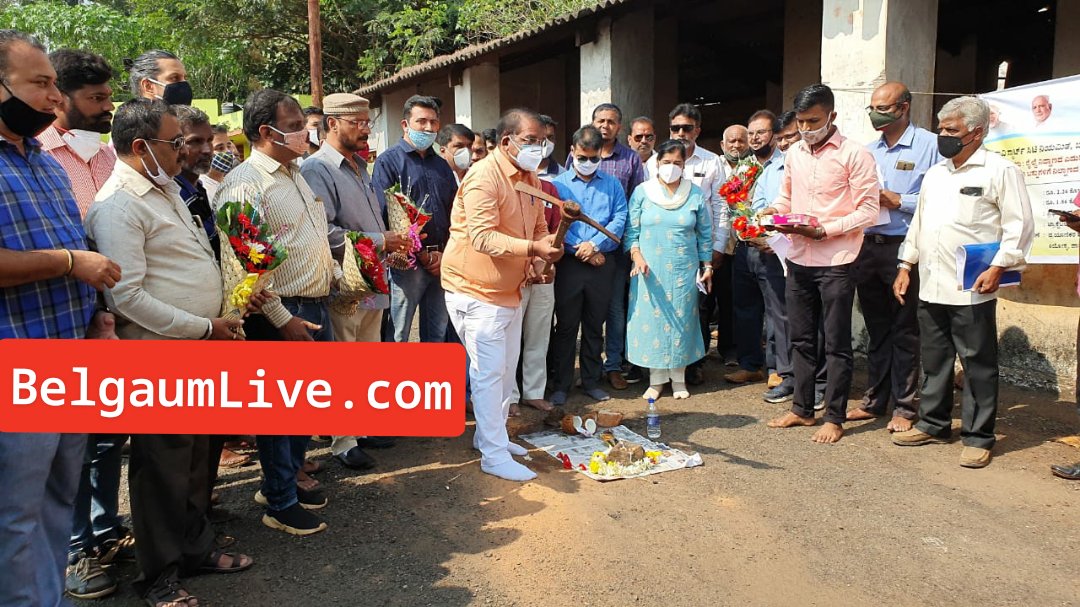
[{"x": 652, "y": 420}]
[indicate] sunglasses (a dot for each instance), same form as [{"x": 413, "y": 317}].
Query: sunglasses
[
  {"x": 684, "y": 128},
  {"x": 176, "y": 143},
  {"x": 640, "y": 138}
]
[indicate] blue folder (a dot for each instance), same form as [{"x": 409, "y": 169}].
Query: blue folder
[{"x": 974, "y": 259}]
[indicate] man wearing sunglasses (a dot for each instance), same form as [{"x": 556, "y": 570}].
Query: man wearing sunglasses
[
  {"x": 705, "y": 170},
  {"x": 642, "y": 139}
]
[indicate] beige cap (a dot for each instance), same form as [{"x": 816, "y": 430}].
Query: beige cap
[{"x": 342, "y": 104}]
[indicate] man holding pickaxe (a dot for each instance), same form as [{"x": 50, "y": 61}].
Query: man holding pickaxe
[{"x": 583, "y": 281}]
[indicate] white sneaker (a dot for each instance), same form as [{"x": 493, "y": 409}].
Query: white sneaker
[{"x": 510, "y": 470}]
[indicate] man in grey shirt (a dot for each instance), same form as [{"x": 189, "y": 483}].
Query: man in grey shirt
[{"x": 339, "y": 178}]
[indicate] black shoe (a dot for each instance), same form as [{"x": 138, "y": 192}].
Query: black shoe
[
  {"x": 308, "y": 500},
  {"x": 694, "y": 375},
  {"x": 294, "y": 520},
  {"x": 779, "y": 394},
  {"x": 819, "y": 401},
  {"x": 1071, "y": 473},
  {"x": 376, "y": 442},
  {"x": 634, "y": 375},
  {"x": 356, "y": 459}
]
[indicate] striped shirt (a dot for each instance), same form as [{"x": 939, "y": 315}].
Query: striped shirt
[
  {"x": 289, "y": 209},
  {"x": 39, "y": 212},
  {"x": 86, "y": 179}
]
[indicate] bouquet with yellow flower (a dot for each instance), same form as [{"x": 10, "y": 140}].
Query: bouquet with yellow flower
[{"x": 251, "y": 257}]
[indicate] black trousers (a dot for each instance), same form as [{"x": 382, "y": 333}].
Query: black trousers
[
  {"x": 971, "y": 333},
  {"x": 821, "y": 296},
  {"x": 893, "y": 356},
  {"x": 582, "y": 299},
  {"x": 169, "y": 484},
  {"x": 719, "y": 298}
]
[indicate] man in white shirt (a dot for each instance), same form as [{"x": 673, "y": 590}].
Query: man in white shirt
[
  {"x": 705, "y": 170},
  {"x": 642, "y": 139},
  {"x": 976, "y": 196}
]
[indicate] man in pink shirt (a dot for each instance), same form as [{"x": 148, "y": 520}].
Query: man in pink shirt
[{"x": 834, "y": 180}]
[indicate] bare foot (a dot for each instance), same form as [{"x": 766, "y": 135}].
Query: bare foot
[
  {"x": 102, "y": 326},
  {"x": 539, "y": 403},
  {"x": 899, "y": 424},
  {"x": 829, "y": 433},
  {"x": 311, "y": 467},
  {"x": 859, "y": 415},
  {"x": 790, "y": 420},
  {"x": 515, "y": 410},
  {"x": 305, "y": 482}
]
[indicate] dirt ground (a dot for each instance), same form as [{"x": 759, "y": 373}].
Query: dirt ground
[{"x": 770, "y": 519}]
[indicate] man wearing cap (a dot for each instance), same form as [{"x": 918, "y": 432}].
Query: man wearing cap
[{"x": 339, "y": 178}]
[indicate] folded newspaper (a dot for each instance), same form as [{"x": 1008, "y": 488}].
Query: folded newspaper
[{"x": 578, "y": 451}]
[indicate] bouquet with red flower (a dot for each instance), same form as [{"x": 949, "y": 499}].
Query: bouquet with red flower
[
  {"x": 736, "y": 192},
  {"x": 364, "y": 274},
  {"x": 407, "y": 218},
  {"x": 250, "y": 257}
]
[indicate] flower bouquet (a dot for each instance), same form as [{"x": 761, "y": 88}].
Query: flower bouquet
[
  {"x": 736, "y": 192},
  {"x": 364, "y": 274},
  {"x": 251, "y": 258},
  {"x": 407, "y": 218}
]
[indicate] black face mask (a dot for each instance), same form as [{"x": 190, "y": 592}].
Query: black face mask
[
  {"x": 949, "y": 146},
  {"x": 764, "y": 151},
  {"x": 177, "y": 93},
  {"x": 22, "y": 119}
]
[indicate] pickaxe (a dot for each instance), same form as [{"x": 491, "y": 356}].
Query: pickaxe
[{"x": 569, "y": 212}]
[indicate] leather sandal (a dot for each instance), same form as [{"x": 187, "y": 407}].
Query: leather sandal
[
  {"x": 220, "y": 561},
  {"x": 170, "y": 594}
]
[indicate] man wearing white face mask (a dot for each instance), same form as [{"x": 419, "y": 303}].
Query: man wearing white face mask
[
  {"x": 455, "y": 146},
  {"x": 582, "y": 287},
  {"x": 74, "y": 140},
  {"x": 548, "y": 170}
]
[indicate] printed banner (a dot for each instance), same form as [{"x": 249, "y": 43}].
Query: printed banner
[
  {"x": 1037, "y": 126},
  {"x": 205, "y": 387}
]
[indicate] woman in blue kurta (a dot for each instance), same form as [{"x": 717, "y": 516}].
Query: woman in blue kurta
[{"x": 670, "y": 243}]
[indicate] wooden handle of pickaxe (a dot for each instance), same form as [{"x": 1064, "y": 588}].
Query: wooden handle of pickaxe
[
  {"x": 561, "y": 205},
  {"x": 569, "y": 212}
]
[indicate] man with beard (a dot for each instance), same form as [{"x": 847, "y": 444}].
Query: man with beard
[
  {"x": 195, "y": 159},
  {"x": 160, "y": 75},
  {"x": 74, "y": 140},
  {"x": 642, "y": 139}
]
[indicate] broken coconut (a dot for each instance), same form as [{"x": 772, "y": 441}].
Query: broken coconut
[{"x": 626, "y": 453}]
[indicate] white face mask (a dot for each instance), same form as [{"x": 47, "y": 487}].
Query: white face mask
[
  {"x": 549, "y": 148},
  {"x": 85, "y": 144},
  {"x": 313, "y": 137},
  {"x": 296, "y": 141},
  {"x": 463, "y": 159},
  {"x": 159, "y": 177},
  {"x": 815, "y": 136},
  {"x": 669, "y": 173},
  {"x": 586, "y": 168},
  {"x": 529, "y": 156}
]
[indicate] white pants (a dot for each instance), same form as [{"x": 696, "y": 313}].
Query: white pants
[
  {"x": 492, "y": 338},
  {"x": 659, "y": 377},
  {"x": 538, "y": 303},
  {"x": 366, "y": 326}
]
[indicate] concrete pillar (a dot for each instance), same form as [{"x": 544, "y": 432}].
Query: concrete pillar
[
  {"x": 387, "y": 128},
  {"x": 867, "y": 42},
  {"x": 476, "y": 99},
  {"x": 802, "y": 48},
  {"x": 1066, "y": 42},
  {"x": 617, "y": 67}
]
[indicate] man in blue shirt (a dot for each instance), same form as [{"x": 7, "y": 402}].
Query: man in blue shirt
[
  {"x": 49, "y": 288},
  {"x": 758, "y": 277},
  {"x": 903, "y": 154},
  {"x": 583, "y": 280},
  {"x": 429, "y": 182}
]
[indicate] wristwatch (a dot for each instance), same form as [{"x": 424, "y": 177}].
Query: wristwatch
[{"x": 820, "y": 234}]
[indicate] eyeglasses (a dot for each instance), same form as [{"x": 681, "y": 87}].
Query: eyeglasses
[
  {"x": 646, "y": 137},
  {"x": 761, "y": 133},
  {"x": 532, "y": 141},
  {"x": 684, "y": 128},
  {"x": 360, "y": 124},
  {"x": 883, "y": 108},
  {"x": 176, "y": 143}
]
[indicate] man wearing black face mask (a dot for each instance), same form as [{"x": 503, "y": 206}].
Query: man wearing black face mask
[
  {"x": 160, "y": 75},
  {"x": 903, "y": 153},
  {"x": 977, "y": 196},
  {"x": 43, "y": 259}
]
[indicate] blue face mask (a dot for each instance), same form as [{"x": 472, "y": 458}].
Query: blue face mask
[{"x": 422, "y": 140}]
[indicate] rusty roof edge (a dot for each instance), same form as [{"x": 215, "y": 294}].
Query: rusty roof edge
[{"x": 476, "y": 50}]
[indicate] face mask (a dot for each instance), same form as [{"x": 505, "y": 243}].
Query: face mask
[
  {"x": 733, "y": 158},
  {"x": 365, "y": 154},
  {"x": 880, "y": 120},
  {"x": 422, "y": 140},
  {"x": 223, "y": 162},
  {"x": 463, "y": 159},
  {"x": 549, "y": 148},
  {"x": 175, "y": 93},
  {"x": 297, "y": 141},
  {"x": 529, "y": 156},
  {"x": 815, "y": 136},
  {"x": 160, "y": 177},
  {"x": 85, "y": 144},
  {"x": 313, "y": 137},
  {"x": 22, "y": 119},
  {"x": 949, "y": 146},
  {"x": 669, "y": 173},
  {"x": 765, "y": 151},
  {"x": 586, "y": 168}
]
